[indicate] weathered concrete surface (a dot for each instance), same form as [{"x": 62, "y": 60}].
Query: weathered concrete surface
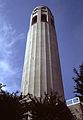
[
  {"x": 41, "y": 71},
  {"x": 77, "y": 110}
]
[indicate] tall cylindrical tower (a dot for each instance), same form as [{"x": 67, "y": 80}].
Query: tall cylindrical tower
[{"x": 41, "y": 71}]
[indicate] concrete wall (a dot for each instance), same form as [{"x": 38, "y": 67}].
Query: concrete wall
[
  {"x": 42, "y": 71},
  {"x": 77, "y": 110}
]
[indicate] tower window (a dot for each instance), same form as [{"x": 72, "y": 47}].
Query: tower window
[
  {"x": 35, "y": 12},
  {"x": 43, "y": 7},
  {"x": 43, "y": 10},
  {"x": 36, "y": 9},
  {"x": 34, "y": 20},
  {"x": 43, "y": 18},
  {"x": 52, "y": 22}
]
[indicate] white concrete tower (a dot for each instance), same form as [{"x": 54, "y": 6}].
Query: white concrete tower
[{"x": 41, "y": 71}]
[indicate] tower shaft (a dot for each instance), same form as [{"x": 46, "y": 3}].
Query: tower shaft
[{"x": 41, "y": 71}]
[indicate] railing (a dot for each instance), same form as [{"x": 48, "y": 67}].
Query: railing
[{"x": 73, "y": 101}]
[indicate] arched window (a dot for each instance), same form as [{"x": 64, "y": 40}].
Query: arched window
[
  {"x": 43, "y": 18},
  {"x": 34, "y": 20}
]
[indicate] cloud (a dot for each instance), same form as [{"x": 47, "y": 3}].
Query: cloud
[
  {"x": 9, "y": 71},
  {"x": 4, "y": 66},
  {"x": 2, "y": 6},
  {"x": 8, "y": 38}
]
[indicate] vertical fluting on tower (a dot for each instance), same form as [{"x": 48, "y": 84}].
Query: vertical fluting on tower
[{"x": 41, "y": 71}]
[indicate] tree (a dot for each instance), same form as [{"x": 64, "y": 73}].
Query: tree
[
  {"x": 48, "y": 108},
  {"x": 78, "y": 79},
  {"x": 1, "y": 86},
  {"x": 10, "y": 106}
]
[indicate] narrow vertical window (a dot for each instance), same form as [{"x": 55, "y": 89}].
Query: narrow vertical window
[
  {"x": 43, "y": 18},
  {"x": 52, "y": 22},
  {"x": 34, "y": 20}
]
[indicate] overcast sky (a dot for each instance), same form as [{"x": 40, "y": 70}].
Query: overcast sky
[{"x": 14, "y": 24}]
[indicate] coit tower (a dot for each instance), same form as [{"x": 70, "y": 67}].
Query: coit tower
[{"x": 41, "y": 71}]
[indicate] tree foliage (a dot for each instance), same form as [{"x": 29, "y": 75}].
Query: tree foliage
[
  {"x": 49, "y": 107},
  {"x": 10, "y": 106},
  {"x": 78, "y": 79}
]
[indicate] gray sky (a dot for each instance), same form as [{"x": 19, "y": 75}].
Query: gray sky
[{"x": 14, "y": 24}]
